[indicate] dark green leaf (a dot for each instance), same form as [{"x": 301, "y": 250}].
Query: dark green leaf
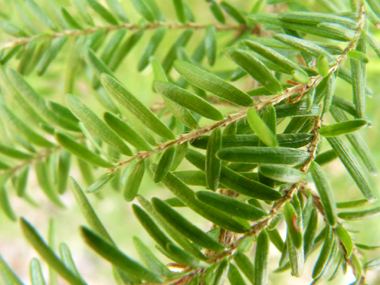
[
  {"x": 269, "y": 155},
  {"x": 234, "y": 276},
  {"x": 296, "y": 258},
  {"x": 274, "y": 56},
  {"x": 61, "y": 110},
  {"x": 164, "y": 165},
  {"x": 103, "y": 12},
  {"x": 358, "y": 87},
  {"x": 315, "y": 18},
  {"x": 117, "y": 258},
  {"x": 231, "y": 206},
  {"x": 358, "y": 144},
  {"x": 325, "y": 192},
  {"x": 352, "y": 204},
  {"x": 329, "y": 97},
  {"x": 189, "y": 247},
  {"x": 343, "y": 128},
  {"x": 325, "y": 157},
  {"x": 187, "y": 196},
  {"x": 37, "y": 101},
  {"x": 366, "y": 247},
  {"x": 325, "y": 253},
  {"x": 180, "y": 153},
  {"x": 174, "y": 202},
  {"x": 94, "y": 124},
  {"x": 185, "y": 227},
  {"x": 261, "y": 258},
  {"x": 296, "y": 110},
  {"x": 282, "y": 173},
  {"x": 73, "y": 23},
  {"x": 216, "y": 11},
  {"x": 234, "y": 11},
  {"x": 155, "y": 10},
  {"x": 180, "y": 10},
  {"x": 353, "y": 167},
  {"x": 211, "y": 44},
  {"x": 126, "y": 132},
  {"x": 181, "y": 113},
  {"x": 133, "y": 182},
  {"x": 213, "y": 164},
  {"x": 212, "y": 83},
  {"x": 97, "y": 65},
  {"x": 188, "y": 100},
  {"x": 310, "y": 232},
  {"x": 284, "y": 140},
  {"x": 303, "y": 45},
  {"x": 358, "y": 215},
  {"x": 236, "y": 181},
  {"x": 255, "y": 68},
  {"x": 81, "y": 151},
  {"x": 192, "y": 177},
  {"x": 245, "y": 265},
  {"x": 144, "y": 10},
  {"x": 171, "y": 250}
]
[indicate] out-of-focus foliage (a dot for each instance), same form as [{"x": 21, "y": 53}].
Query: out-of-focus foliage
[{"x": 165, "y": 118}]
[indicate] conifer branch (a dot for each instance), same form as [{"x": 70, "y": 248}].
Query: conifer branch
[{"x": 131, "y": 27}]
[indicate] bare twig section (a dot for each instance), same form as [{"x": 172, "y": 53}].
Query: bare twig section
[{"x": 132, "y": 27}]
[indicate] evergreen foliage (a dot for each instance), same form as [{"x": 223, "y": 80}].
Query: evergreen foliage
[{"x": 255, "y": 152}]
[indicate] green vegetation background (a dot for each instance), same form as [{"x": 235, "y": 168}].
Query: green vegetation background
[{"x": 113, "y": 210}]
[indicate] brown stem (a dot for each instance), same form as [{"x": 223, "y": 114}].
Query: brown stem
[{"x": 77, "y": 33}]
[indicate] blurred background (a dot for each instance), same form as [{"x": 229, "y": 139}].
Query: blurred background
[{"x": 115, "y": 213}]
